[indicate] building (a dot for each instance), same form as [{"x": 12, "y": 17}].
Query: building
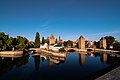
[
  {"x": 74, "y": 44},
  {"x": 52, "y": 39},
  {"x": 103, "y": 43},
  {"x": 81, "y": 43},
  {"x": 89, "y": 45}
]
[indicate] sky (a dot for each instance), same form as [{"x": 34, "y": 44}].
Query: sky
[{"x": 68, "y": 18}]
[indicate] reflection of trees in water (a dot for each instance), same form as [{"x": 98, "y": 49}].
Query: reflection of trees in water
[
  {"x": 21, "y": 61},
  {"x": 112, "y": 59},
  {"x": 104, "y": 57},
  {"x": 37, "y": 62},
  {"x": 6, "y": 64},
  {"x": 107, "y": 58},
  {"x": 43, "y": 59}
]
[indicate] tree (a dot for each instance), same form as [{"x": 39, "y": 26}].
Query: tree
[
  {"x": 3, "y": 41},
  {"x": 37, "y": 40},
  {"x": 70, "y": 43},
  {"x": 10, "y": 43},
  {"x": 109, "y": 40},
  {"x": 56, "y": 41},
  {"x": 22, "y": 43},
  {"x": 116, "y": 46},
  {"x": 65, "y": 43},
  {"x": 43, "y": 40},
  {"x": 47, "y": 40},
  {"x": 7, "y": 43}
]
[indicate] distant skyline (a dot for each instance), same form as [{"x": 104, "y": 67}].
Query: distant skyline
[{"x": 68, "y": 18}]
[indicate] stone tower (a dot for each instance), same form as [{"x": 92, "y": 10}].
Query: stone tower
[
  {"x": 81, "y": 42},
  {"x": 103, "y": 43},
  {"x": 52, "y": 39}
]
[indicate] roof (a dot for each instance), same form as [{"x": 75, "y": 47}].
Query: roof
[
  {"x": 81, "y": 37},
  {"x": 51, "y": 36}
]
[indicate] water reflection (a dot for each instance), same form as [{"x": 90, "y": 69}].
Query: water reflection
[
  {"x": 103, "y": 57},
  {"x": 43, "y": 59},
  {"x": 7, "y": 64},
  {"x": 82, "y": 59},
  {"x": 55, "y": 60},
  {"x": 37, "y": 62},
  {"x": 42, "y": 63}
]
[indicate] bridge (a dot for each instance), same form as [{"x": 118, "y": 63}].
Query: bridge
[
  {"x": 76, "y": 49},
  {"x": 71, "y": 49},
  {"x": 35, "y": 49}
]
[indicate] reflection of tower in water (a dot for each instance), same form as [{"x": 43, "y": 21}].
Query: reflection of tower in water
[
  {"x": 37, "y": 62},
  {"x": 103, "y": 57},
  {"x": 82, "y": 59},
  {"x": 51, "y": 64}
]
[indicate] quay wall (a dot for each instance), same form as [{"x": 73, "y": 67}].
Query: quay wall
[{"x": 11, "y": 52}]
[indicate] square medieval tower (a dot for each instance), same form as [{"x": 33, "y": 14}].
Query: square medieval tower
[
  {"x": 81, "y": 43},
  {"x": 52, "y": 39}
]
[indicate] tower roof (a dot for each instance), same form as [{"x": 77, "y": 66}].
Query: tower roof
[
  {"x": 81, "y": 37},
  {"x": 51, "y": 36},
  {"x": 102, "y": 38}
]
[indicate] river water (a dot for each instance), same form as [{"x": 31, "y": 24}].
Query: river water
[{"x": 73, "y": 66}]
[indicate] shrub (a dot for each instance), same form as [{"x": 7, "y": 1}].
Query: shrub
[{"x": 61, "y": 50}]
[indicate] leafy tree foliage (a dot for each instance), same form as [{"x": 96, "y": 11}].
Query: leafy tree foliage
[
  {"x": 37, "y": 40},
  {"x": 3, "y": 41},
  {"x": 68, "y": 43},
  {"x": 109, "y": 40},
  {"x": 22, "y": 43},
  {"x": 47, "y": 41},
  {"x": 7, "y": 43},
  {"x": 65, "y": 43},
  {"x": 56, "y": 41},
  {"x": 116, "y": 46},
  {"x": 43, "y": 40},
  {"x": 61, "y": 50}
]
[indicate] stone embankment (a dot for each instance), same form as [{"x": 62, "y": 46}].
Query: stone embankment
[
  {"x": 112, "y": 75},
  {"x": 54, "y": 53},
  {"x": 11, "y": 52}
]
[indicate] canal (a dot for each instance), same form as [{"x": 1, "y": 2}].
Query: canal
[{"x": 74, "y": 66}]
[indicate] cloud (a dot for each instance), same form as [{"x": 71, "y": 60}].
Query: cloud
[
  {"x": 46, "y": 25},
  {"x": 106, "y": 33}
]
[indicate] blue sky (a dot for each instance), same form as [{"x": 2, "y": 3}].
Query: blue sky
[{"x": 67, "y": 18}]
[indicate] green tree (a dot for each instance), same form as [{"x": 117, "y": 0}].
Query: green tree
[
  {"x": 3, "y": 41},
  {"x": 109, "y": 40},
  {"x": 4, "y": 47},
  {"x": 10, "y": 43},
  {"x": 37, "y": 40},
  {"x": 65, "y": 43},
  {"x": 70, "y": 43},
  {"x": 43, "y": 40},
  {"x": 7, "y": 43},
  {"x": 47, "y": 40},
  {"x": 116, "y": 46},
  {"x": 1, "y": 44},
  {"x": 22, "y": 43},
  {"x": 56, "y": 41}
]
